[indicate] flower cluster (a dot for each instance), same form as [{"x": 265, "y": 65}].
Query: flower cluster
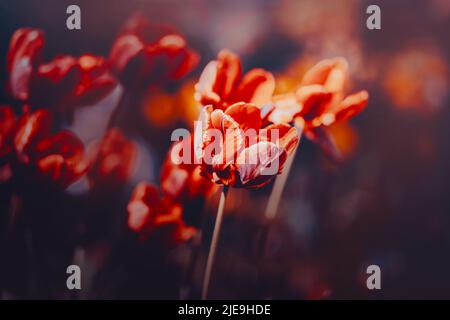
[
  {"x": 243, "y": 137},
  {"x": 234, "y": 106},
  {"x": 32, "y": 150},
  {"x": 150, "y": 55},
  {"x": 61, "y": 84},
  {"x": 319, "y": 102},
  {"x": 35, "y": 149},
  {"x": 149, "y": 213}
]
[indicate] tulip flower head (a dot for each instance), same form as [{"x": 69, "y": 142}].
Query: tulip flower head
[
  {"x": 183, "y": 181},
  {"x": 113, "y": 159},
  {"x": 61, "y": 84},
  {"x": 53, "y": 158},
  {"x": 222, "y": 84},
  {"x": 149, "y": 214},
  {"x": 144, "y": 54},
  {"x": 235, "y": 150},
  {"x": 320, "y": 101}
]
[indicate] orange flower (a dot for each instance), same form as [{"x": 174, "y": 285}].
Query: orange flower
[
  {"x": 54, "y": 158},
  {"x": 145, "y": 54},
  {"x": 150, "y": 215},
  {"x": 236, "y": 151},
  {"x": 417, "y": 78},
  {"x": 320, "y": 102},
  {"x": 221, "y": 83},
  {"x": 112, "y": 159},
  {"x": 183, "y": 182},
  {"x": 63, "y": 83}
]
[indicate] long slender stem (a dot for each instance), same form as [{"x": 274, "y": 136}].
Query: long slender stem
[
  {"x": 275, "y": 198},
  {"x": 278, "y": 187},
  {"x": 214, "y": 242},
  {"x": 188, "y": 277}
]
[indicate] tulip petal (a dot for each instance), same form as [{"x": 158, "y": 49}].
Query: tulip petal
[
  {"x": 286, "y": 107},
  {"x": 328, "y": 72},
  {"x": 204, "y": 87},
  {"x": 352, "y": 105},
  {"x": 30, "y": 129},
  {"x": 314, "y": 99},
  {"x": 282, "y": 135},
  {"x": 257, "y": 86},
  {"x": 247, "y": 115},
  {"x": 259, "y": 163},
  {"x": 228, "y": 74},
  {"x": 148, "y": 193},
  {"x": 123, "y": 50},
  {"x": 24, "y": 54}
]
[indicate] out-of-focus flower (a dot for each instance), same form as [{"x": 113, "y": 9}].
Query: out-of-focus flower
[
  {"x": 221, "y": 83},
  {"x": 7, "y": 129},
  {"x": 320, "y": 102},
  {"x": 112, "y": 159},
  {"x": 55, "y": 158},
  {"x": 183, "y": 181},
  {"x": 67, "y": 82},
  {"x": 150, "y": 215},
  {"x": 417, "y": 79},
  {"x": 160, "y": 108},
  {"x": 61, "y": 84},
  {"x": 24, "y": 56},
  {"x": 144, "y": 54},
  {"x": 163, "y": 108},
  {"x": 235, "y": 158},
  {"x": 189, "y": 108},
  {"x": 31, "y": 128}
]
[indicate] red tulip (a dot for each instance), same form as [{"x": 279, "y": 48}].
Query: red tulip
[
  {"x": 59, "y": 158},
  {"x": 145, "y": 54},
  {"x": 31, "y": 128},
  {"x": 150, "y": 215},
  {"x": 320, "y": 102},
  {"x": 56, "y": 158},
  {"x": 67, "y": 82},
  {"x": 112, "y": 159},
  {"x": 221, "y": 83},
  {"x": 183, "y": 181},
  {"x": 235, "y": 150},
  {"x": 7, "y": 129},
  {"x": 24, "y": 56},
  {"x": 63, "y": 83}
]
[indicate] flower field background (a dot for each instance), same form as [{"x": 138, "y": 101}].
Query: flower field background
[{"x": 87, "y": 173}]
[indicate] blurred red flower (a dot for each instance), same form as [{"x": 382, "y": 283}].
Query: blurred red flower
[
  {"x": 150, "y": 215},
  {"x": 24, "y": 56},
  {"x": 112, "y": 159},
  {"x": 221, "y": 83},
  {"x": 241, "y": 161},
  {"x": 145, "y": 54},
  {"x": 7, "y": 129},
  {"x": 183, "y": 181},
  {"x": 55, "y": 158},
  {"x": 61, "y": 84},
  {"x": 320, "y": 102}
]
